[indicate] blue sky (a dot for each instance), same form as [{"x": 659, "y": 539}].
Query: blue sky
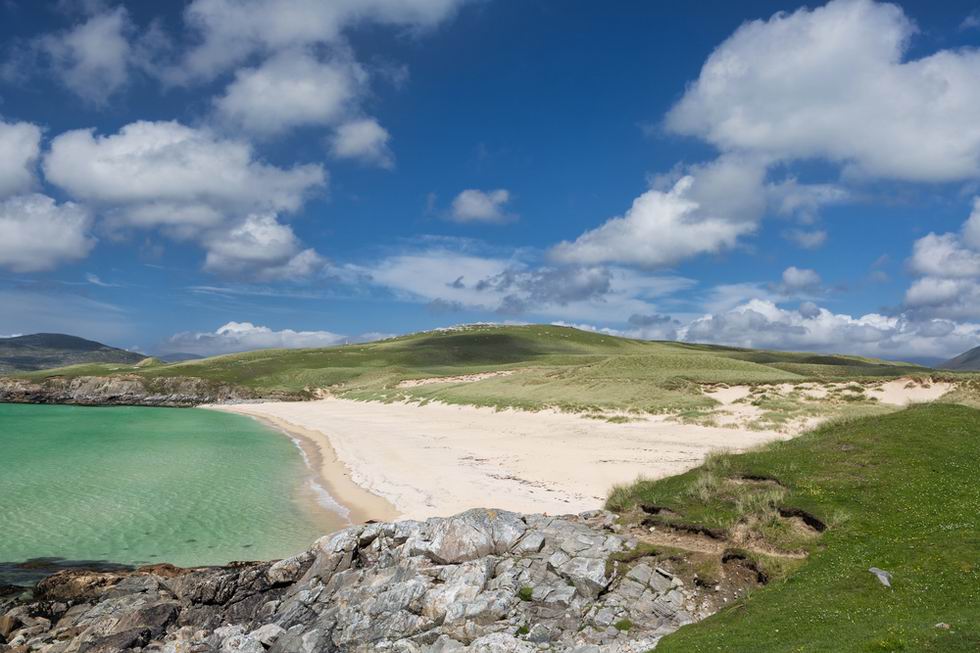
[{"x": 213, "y": 175}]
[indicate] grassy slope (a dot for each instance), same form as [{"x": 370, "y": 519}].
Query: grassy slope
[
  {"x": 555, "y": 366},
  {"x": 899, "y": 492}
]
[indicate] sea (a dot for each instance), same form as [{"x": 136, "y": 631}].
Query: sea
[{"x": 128, "y": 486}]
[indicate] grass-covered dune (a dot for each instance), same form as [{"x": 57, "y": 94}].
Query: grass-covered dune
[
  {"x": 898, "y": 492},
  {"x": 547, "y": 365}
]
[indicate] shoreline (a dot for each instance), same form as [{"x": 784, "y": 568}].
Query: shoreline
[
  {"x": 355, "y": 503},
  {"x": 386, "y": 461}
]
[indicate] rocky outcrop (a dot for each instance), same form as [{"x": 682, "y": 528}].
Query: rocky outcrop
[
  {"x": 128, "y": 390},
  {"x": 483, "y": 581}
]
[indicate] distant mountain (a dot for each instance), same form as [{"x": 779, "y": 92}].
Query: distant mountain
[
  {"x": 45, "y": 350},
  {"x": 967, "y": 361},
  {"x": 925, "y": 361}
]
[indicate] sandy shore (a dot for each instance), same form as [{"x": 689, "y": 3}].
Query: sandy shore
[
  {"x": 346, "y": 501},
  {"x": 386, "y": 460}
]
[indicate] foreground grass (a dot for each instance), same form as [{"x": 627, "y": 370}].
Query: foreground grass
[
  {"x": 898, "y": 492},
  {"x": 552, "y": 367}
]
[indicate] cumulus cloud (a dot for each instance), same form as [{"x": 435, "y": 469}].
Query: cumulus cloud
[
  {"x": 39, "y": 234},
  {"x": 261, "y": 247},
  {"x": 363, "y": 140},
  {"x": 800, "y": 279},
  {"x": 807, "y": 238},
  {"x": 948, "y": 271},
  {"x": 521, "y": 288},
  {"x": 804, "y": 201},
  {"x": 245, "y": 336},
  {"x": 230, "y": 31},
  {"x": 474, "y": 205},
  {"x": 150, "y": 164},
  {"x": 511, "y": 286},
  {"x": 20, "y": 146},
  {"x": 833, "y": 83},
  {"x": 194, "y": 185},
  {"x": 762, "y": 324},
  {"x": 652, "y": 327},
  {"x": 93, "y": 58},
  {"x": 660, "y": 228},
  {"x": 291, "y": 89}
]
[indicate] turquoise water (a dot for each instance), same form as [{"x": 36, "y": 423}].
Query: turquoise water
[{"x": 148, "y": 485}]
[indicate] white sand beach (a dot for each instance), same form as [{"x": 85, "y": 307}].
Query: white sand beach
[{"x": 437, "y": 459}]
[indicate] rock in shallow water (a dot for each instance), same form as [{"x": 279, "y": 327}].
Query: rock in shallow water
[{"x": 480, "y": 581}]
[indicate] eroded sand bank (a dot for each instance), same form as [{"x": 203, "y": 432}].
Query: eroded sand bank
[{"x": 439, "y": 460}]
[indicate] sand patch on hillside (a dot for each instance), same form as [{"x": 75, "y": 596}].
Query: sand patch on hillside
[
  {"x": 795, "y": 407},
  {"x": 902, "y": 392},
  {"x": 462, "y": 378},
  {"x": 438, "y": 459}
]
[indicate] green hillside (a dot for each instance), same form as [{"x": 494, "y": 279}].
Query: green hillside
[
  {"x": 897, "y": 492},
  {"x": 537, "y": 366},
  {"x": 48, "y": 350}
]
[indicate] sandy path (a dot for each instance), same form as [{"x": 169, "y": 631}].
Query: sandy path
[{"x": 438, "y": 459}]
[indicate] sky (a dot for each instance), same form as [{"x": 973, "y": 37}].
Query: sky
[{"x": 217, "y": 175}]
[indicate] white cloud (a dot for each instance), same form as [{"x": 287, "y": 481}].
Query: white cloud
[
  {"x": 38, "y": 233},
  {"x": 803, "y": 201},
  {"x": 92, "y": 59},
  {"x": 148, "y": 164},
  {"x": 971, "y": 229},
  {"x": 194, "y": 185},
  {"x": 832, "y": 83},
  {"x": 262, "y": 248},
  {"x": 364, "y": 140},
  {"x": 291, "y": 89},
  {"x": 944, "y": 256},
  {"x": 762, "y": 324},
  {"x": 510, "y": 286},
  {"x": 230, "y": 31},
  {"x": 807, "y": 239},
  {"x": 948, "y": 267},
  {"x": 474, "y": 205},
  {"x": 245, "y": 336},
  {"x": 797, "y": 279},
  {"x": 660, "y": 229},
  {"x": 20, "y": 145}
]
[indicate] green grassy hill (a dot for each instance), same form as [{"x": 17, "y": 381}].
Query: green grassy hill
[
  {"x": 48, "y": 350},
  {"x": 897, "y": 492},
  {"x": 548, "y": 365}
]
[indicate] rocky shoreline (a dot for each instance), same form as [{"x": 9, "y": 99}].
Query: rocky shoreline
[
  {"x": 131, "y": 390},
  {"x": 482, "y": 581}
]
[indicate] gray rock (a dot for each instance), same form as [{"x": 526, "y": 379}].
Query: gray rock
[
  {"x": 443, "y": 585},
  {"x": 884, "y": 577}
]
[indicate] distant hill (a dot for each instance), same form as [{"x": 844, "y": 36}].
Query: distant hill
[
  {"x": 41, "y": 351},
  {"x": 968, "y": 361},
  {"x": 178, "y": 357}
]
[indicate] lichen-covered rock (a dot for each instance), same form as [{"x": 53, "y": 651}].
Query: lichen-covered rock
[{"x": 483, "y": 581}]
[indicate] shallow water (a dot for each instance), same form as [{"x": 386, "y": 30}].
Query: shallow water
[{"x": 145, "y": 485}]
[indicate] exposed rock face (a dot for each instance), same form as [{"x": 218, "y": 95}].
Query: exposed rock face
[
  {"x": 483, "y": 581},
  {"x": 127, "y": 390}
]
